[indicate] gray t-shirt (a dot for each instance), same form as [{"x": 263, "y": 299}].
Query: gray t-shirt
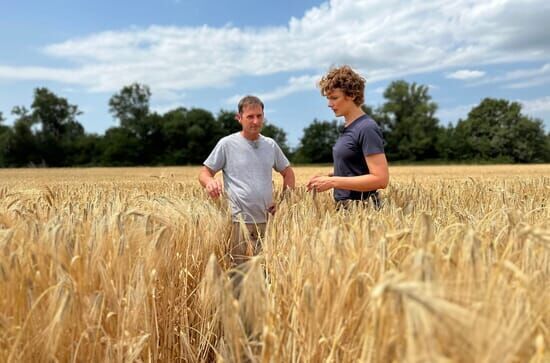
[{"x": 247, "y": 173}]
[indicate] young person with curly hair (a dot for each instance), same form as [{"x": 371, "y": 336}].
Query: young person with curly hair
[{"x": 360, "y": 165}]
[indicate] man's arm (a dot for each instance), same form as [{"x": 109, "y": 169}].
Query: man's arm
[
  {"x": 213, "y": 186},
  {"x": 289, "y": 180}
]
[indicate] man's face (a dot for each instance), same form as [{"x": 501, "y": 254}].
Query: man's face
[
  {"x": 251, "y": 120},
  {"x": 338, "y": 102}
]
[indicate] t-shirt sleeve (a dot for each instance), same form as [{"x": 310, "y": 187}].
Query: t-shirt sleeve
[
  {"x": 371, "y": 139},
  {"x": 216, "y": 160},
  {"x": 281, "y": 162}
]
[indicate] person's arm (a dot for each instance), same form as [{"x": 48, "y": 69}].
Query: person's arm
[
  {"x": 212, "y": 186},
  {"x": 377, "y": 178},
  {"x": 310, "y": 181},
  {"x": 289, "y": 180}
]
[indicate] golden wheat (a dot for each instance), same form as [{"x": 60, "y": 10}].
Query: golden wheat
[{"x": 128, "y": 265}]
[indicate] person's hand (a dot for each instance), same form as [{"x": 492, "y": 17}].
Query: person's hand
[
  {"x": 320, "y": 183},
  {"x": 310, "y": 182},
  {"x": 272, "y": 208},
  {"x": 214, "y": 188}
]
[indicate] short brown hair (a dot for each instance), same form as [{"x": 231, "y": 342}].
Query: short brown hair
[
  {"x": 345, "y": 79},
  {"x": 249, "y": 100}
]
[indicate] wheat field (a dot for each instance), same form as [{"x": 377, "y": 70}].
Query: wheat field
[{"x": 127, "y": 264}]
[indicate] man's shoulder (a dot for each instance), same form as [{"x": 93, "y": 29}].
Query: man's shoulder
[
  {"x": 268, "y": 140},
  {"x": 228, "y": 139}
]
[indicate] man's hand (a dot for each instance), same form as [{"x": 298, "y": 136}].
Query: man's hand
[
  {"x": 214, "y": 188},
  {"x": 206, "y": 178}
]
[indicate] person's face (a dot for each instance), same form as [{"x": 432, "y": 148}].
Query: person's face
[
  {"x": 251, "y": 120},
  {"x": 338, "y": 102}
]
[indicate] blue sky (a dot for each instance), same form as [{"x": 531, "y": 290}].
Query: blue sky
[{"x": 209, "y": 53}]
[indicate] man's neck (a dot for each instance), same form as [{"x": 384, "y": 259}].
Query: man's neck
[{"x": 250, "y": 137}]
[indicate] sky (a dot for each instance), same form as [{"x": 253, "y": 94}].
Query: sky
[{"x": 208, "y": 54}]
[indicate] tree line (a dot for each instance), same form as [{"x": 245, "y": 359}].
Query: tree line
[{"x": 49, "y": 134}]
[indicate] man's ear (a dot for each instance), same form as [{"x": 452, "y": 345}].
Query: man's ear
[{"x": 238, "y": 117}]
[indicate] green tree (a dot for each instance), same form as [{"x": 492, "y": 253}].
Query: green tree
[
  {"x": 86, "y": 150},
  {"x": 277, "y": 134},
  {"x": 496, "y": 129},
  {"x": 369, "y": 110},
  {"x": 4, "y": 137},
  {"x": 203, "y": 133},
  {"x": 20, "y": 143},
  {"x": 228, "y": 122},
  {"x": 317, "y": 142},
  {"x": 174, "y": 127},
  {"x": 154, "y": 144},
  {"x": 189, "y": 135},
  {"x": 447, "y": 145},
  {"x": 58, "y": 130},
  {"x": 3, "y": 128},
  {"x": 407, "y": 120},
  {"x": 55, "y": 114},
  {"x": 131, "y": 107},
  {"x": 120, "y": 147}
]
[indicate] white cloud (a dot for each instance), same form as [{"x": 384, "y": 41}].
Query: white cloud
[
  {"x": 521, "y": 78},
  {"x": 164, "y": 95},
  {"x": 453, "y": 114},
  {"x": 41, "y": 73},
  {"x": 530, "y": 78},
  {"x": 466, "y": 74},
  {"x": 166, "y": 100},
  {"x": 538, "y": 107},
  {"x": 383, "y": 39},
  {"x": 165, "y": 107},
  {"x": 294, "y": 84}
]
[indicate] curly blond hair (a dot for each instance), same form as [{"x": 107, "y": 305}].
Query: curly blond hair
[{"x": 345, "y": 79}]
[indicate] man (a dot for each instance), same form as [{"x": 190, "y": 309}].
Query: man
[{"x": 246, "y": 159}]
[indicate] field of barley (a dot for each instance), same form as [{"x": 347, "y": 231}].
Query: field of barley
[{"x": 124, "y": 265}]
